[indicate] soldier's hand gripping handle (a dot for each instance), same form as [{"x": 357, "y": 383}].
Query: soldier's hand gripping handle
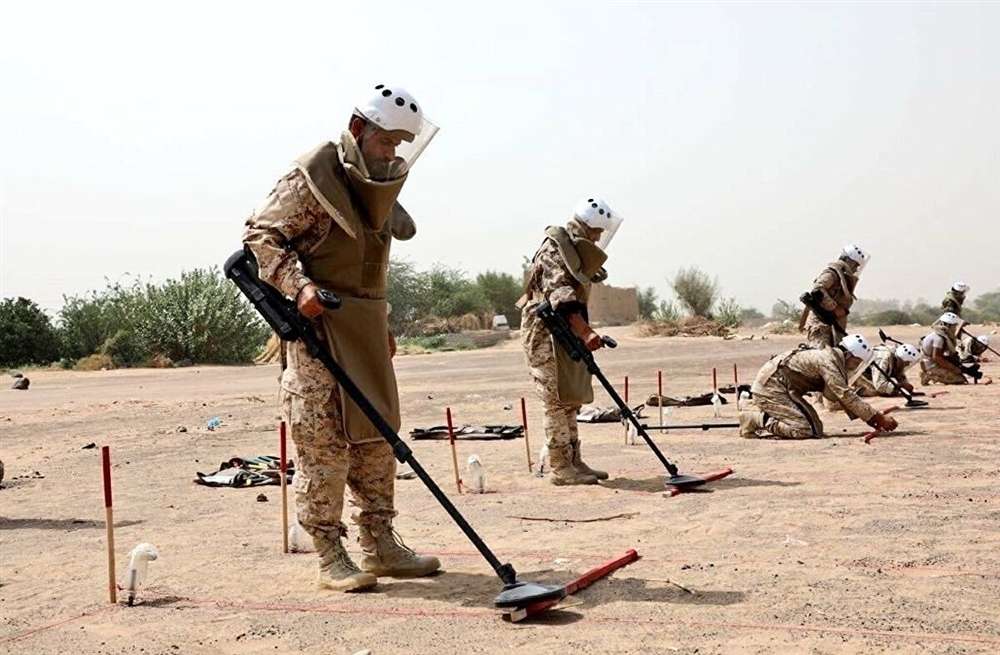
[
  {"x": 583, "y": 330},
  {"x": 312, "y": 300}
]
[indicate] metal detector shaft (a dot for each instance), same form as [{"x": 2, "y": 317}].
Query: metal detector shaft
[
  {"x": 695, "y": 426},
  {"x": 404, "y": 454},
  {"x": 282, "y": 315},
  {"x": 559, "y": 328},
  {"x": 899, "y": 389}
]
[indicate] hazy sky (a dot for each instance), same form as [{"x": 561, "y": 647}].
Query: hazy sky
[{"x": 749, "y": 140}]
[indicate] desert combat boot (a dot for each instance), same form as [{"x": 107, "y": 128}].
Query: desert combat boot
[
  {"x": 582, "y": 467},
  {"x": 564, "y": 471},
  {"x": 336, "y": 570},
  {"x": 386, "y": 554}
]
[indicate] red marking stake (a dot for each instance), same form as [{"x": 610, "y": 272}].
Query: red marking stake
[
  {"x": 524, "y": 422},
  {"x": 109, "y": 518},
  {"x": 454, "y": 453}
]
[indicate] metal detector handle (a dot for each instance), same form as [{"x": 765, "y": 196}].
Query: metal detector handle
[
  {"x": 885, "y": 337},
  {"x": 903, "y": 392},
  {"x": 559, "y": 328},
  {"x": 282, "y": 315},
  {"x": 608, "y": 341},
  {"x": 328, "y": 299}
]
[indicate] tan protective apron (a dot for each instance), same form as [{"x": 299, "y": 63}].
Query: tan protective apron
[
  {"x": 353, "y": 262},
  {"x": 583, "y": 259}
]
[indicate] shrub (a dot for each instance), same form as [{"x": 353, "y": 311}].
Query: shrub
[
  {"x": 502, "y": 292},
  {"x": 26, "y": 334},
  {"x": 785, "y": 310},
  {"x": 666, "y": 312},
  {"x": 647, "y": 302},
  {"x": 200, "y": 317},
  {"x": 695, "y": 291},
  {"x": 729, "y": 313}
]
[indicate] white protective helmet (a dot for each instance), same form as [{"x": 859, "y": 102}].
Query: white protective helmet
[
  {"x": 983, "y": 339},
  {"x": 596, "y": 213},
  {"x": 856, "y": 254},
  {"x": 907, "y": 353},
  {"x": 858, "y": 346},
  {"x": 960, "y": 287},
  {"x": 950, "y": 318},
  {"x": 395, "y": 110}
]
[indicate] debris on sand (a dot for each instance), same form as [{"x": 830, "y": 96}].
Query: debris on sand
[
  {"x": 21, "y": 384},
  {"x": 689, "y": 326}
]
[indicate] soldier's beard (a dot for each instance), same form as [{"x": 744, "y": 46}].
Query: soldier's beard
[{"x": 383, "y": 170}]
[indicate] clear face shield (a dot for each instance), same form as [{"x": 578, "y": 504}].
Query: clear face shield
[
  {"x": 390, "y": 154},
  {"x": 609, "y": 232},
  {"x": 866, "y": 363}
]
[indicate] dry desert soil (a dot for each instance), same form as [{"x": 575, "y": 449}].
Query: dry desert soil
[{"x": 818, "y": 546}]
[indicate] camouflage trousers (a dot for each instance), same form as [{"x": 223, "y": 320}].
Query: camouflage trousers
[
  {"x": 326, "y": 462},
  {"x": 559, "y": 419},
  {"x": 819, "y": 334},
  {"x": 788, "y": 415},
  {"x": 930, "y": 372}
]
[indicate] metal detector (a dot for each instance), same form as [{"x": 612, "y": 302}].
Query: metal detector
[
  {"x": 694, "y": 426},
  {"x": 560, "y": 330},
  {"x": 283, "y": 317}
]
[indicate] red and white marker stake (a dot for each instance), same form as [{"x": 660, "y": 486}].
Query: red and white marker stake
[
  {"x": 659, "y": 393},
  {"x": 454, "y": 453},
  {"x": 109, "y": 518},
  {"x": 283, "y": 470},
  {"x": 524, "y": 422},
  {"x": 736, "y": 386}
]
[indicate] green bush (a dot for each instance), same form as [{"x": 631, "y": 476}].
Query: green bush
[
  {"x": 887, "y": 317},
  {"x": 695, "y": 291},
  {"x": 647, "y": 302},
  {"x": 88, "y": 321},
  {"x": 502, "y": 292},
  {"x": 201, "y": 317},
  {"x": 26, "y": 334},
  {"x": 728, "y": 313},
  {"x": 784, "y": 310},
  {"x": 988, "y": 306},
  {"x": 667, "y": 312}
]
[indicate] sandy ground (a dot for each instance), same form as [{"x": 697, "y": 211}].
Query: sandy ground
[{"x": 824, "y": 546}]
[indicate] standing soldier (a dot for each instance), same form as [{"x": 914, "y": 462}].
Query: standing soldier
[
  {"x": 778, "y": 407},
  {"x": 568, "y": 262},
  {"x": 328, "y": 224},
  {"x": 827, "y": 305},
  {"x": 955, "y": 298}
]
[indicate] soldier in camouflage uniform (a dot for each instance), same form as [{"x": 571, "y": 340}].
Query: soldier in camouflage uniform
[
  {"x": 777, "y": 407},
  {"x": 894, "y": 361},
  {"x": 568, "y": 262},
  {"x": 329, "y": 223},
  {"x": 834, "y": 289},
  {"x": 940, "y": 348},
  {"x": 971, "y": 349},
  {"x": 955, "y": 298}
]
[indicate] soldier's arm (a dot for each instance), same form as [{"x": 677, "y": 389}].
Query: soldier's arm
[
  {"x": 827, "y": 280},
  {"x": 836, "y": 386},
  {"x": 283, "y": 225},
  {"x": 556, "y": 282}
]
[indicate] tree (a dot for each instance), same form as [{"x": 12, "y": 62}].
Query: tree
[
  {"x": 502, "y": 292},
  {"x": 647, "y": 302},
  {"x": 783, "y": 310},
  {"x": 988, "y": 304},
  {"x": 453, "y": 294},
  {"x": 408, "y": 293},
  {"x": 695, "y": 291},
  {"x": 26, "y": 334},
  {"x": 750, "y": 314}
]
